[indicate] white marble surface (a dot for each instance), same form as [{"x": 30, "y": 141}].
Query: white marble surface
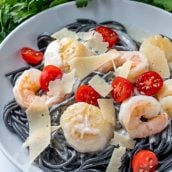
[{"x": 6, "y": 165}]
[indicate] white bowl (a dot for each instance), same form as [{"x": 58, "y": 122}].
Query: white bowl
[{"x": 133, "y": 14}]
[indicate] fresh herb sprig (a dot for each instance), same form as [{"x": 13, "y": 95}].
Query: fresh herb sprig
[
  {"x": 14, "y": 12},
  {"x": 82, "y": 3}
]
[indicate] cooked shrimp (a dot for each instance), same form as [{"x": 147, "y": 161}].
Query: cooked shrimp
[
  {"x": 109, "y": 66},
  {"x": 139, "y": 64},
  {"x": 142, "y": 116},
  {"x": 26, "y": 87},
  {"x": 59, "y": 53},
  {"x": 28, "y": 84}
]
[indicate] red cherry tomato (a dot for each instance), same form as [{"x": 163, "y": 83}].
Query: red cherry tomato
[
  {"x": 86, "y": 93},
  {"x": 31, "y": 56},
  {"x": 108, "y": 35},
  {"x": 122, "y": 89},
  {"x": 144, "y": 160},
  {"x": 149, "y": 83},
  {"x": 49, "y": 73}
]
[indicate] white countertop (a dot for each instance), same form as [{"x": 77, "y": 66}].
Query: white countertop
[{"x": 6, "y": 165}]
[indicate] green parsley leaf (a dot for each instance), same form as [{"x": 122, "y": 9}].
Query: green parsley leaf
[
  {"x": 166, "y": 4},
  {"x": 82, "y": 3},
  {"x": 57, "y": 2}
]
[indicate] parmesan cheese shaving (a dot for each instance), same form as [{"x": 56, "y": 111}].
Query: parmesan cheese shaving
[
  {"x": 85, "y": 65},
  {"x": 61, "y": 87},
  {"x": 93, "y": 41},
  {"x": 166, "y": 105},
  {"x": 85, "y": 36},
  {"x": 156, "y": 58},
  {"x": 166, "y": 46},
  {"x": 161, "y": 42},
  {"x": 122, "y": 140},
  {"x": 39, "y": 127},
  {"x": 107, "y": 109},
  {"x": 100, "y": 85},
  {"x": 115, "y": 161},
  {"x": 166, "y": 89},
  {"x": 64, "y": 33},
  {"x": 125, "y": 69},
  {"x": 96, "y": 47},
  {"x": 53, "y": 128}
]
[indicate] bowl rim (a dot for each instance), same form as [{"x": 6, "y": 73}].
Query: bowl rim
[{"x": 2, "y": 148}]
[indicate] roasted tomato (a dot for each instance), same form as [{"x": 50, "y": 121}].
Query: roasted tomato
[
  {"x": 149, "y": 83},
  {"x": 31, "y": 56},
  {"x": 108, "y": 35},
  {"x": 49, "y": 73},
  {"x": 86, "y": 93},
  {"x": 122, "y": 89},
  {"x": 144, "y": 160}
]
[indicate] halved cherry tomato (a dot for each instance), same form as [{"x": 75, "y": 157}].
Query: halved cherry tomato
[
  {"x": 31, "y": 56},
  {"x": 49, "y": 73},
  {"x": 122, "y": 89},
  {"x": 144, "y": 160},
  {"x": 149, "y": 83},
  {"x": 86, "y": 93},
  {"x": 108, "y": 35}
]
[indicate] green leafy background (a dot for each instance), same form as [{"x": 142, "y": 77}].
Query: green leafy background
[
  {"x": 164, "y": 4},
  {"x": 14, "y": 12}
]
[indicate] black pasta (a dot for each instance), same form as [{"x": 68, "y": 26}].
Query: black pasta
[{"x": 43, "y": 40}]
